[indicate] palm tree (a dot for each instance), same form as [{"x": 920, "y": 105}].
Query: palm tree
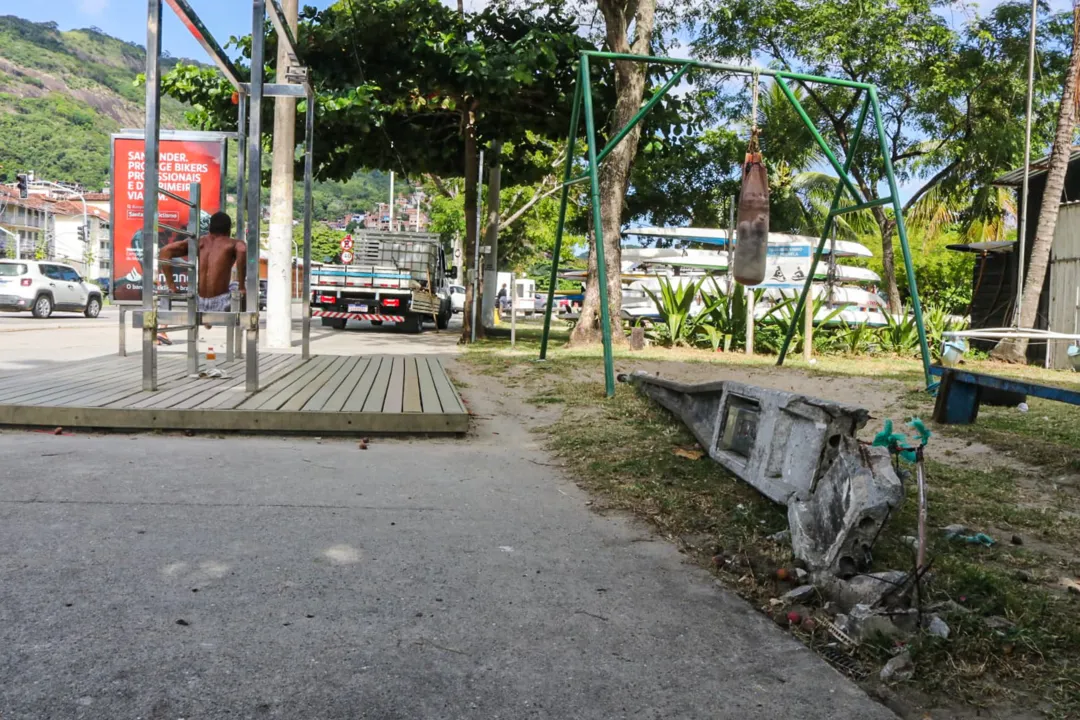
[{"x": 1015, "y": 349}]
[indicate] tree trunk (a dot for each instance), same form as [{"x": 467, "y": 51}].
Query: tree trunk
[
  {"x": 886, "y": 226},
  {"x": 1015, "y": 349},
  {"x": 615, "y": 173},
  {"x": 472, "y": 190},
  {"x": 490, "y": 288}
]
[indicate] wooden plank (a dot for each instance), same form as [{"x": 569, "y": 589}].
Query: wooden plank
[
  {"x": 274, "y": 398},
  {"x": 429, "y": 396},
  {"x": 179, "y": 385},
  {"x": 345, "y": 388},
  {"x": 237, "y": 381},
  {"x": 318, "y": 400},
  {"x": 411, "y": 398},
  {"x": 447, "y": 394},
  {"x": 395, "y": 388},
  {"x": 43, "y": 391},
  {"x": 237, "y": 394},
  {"x": 297, "y": 401},
  {"x": 64, "y": 369},
  {"x": 73, "y": 373},
  {"x": 377, "y": 397},
  {"x": 255, "y": 421},
  {"x": 359, "y": 395},
  {"x": 194, "y": 386},
  {"x": 173, "y": 373}
]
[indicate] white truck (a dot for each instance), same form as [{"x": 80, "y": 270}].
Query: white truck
[
  {"x": 391, "y": 277},
  {"x": 525, "y": 289}
]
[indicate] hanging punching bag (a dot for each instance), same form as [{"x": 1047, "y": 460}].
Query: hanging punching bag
[{"x": 752, "y": 240}]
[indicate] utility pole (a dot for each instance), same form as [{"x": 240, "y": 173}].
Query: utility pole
[
  {"x": 491, "y": 262},
  {"x": 278, "y": 291},
  {"x": 391, "y": 201}
]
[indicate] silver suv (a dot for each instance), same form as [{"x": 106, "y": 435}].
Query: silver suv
[{"x": 42, "y": 286}]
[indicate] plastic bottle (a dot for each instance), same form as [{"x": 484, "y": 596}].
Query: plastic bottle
[
  {"x": 211, "y": 358},
  {"x": 752, "y": 241}
]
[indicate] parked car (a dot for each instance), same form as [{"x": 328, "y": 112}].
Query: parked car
[
  {"x": 457, "y": 298},
  {"x": 105, "y": 284},
  {"x": 42, "y": 286}
]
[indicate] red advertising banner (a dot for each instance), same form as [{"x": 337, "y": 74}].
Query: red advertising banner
[{"x": 181, "y": 162}]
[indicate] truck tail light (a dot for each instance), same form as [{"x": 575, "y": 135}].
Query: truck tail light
[
  {"x": 391, "y": 302},
  {"x": 327, "y": 299},
  {"x": 26, "y": 282}
]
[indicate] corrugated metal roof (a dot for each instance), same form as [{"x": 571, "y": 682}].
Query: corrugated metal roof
[{"x": 1038, "y": 167}]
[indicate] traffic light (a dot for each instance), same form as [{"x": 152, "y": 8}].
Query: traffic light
[
  {"x": 24, "y": 189},
  {"x": 82, "y": 234}
]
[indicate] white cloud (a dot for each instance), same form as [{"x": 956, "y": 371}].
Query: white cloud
[{"x": 93, "y": 7}]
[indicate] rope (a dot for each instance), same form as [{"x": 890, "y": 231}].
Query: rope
[{"x": 753, "y": 149}]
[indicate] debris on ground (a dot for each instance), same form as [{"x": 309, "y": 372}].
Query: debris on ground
[
  {"x": 1070, "y": 585},
  {"x": 898, "y": 669},
  {"x": 937, "y": 627},
  {"x": 689, "y": 453},
  {"x": 800, "y": 594}
]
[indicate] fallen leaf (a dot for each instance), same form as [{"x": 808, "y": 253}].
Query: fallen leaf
[{"x": 689, "y": 454}]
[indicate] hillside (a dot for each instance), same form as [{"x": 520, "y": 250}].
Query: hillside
[{"x": 62, "y": 94}]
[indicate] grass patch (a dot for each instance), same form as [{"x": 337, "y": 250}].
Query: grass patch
[{"x": 1015, "y": 632}]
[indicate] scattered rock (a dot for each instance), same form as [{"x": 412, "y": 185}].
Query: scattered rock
[
  {"x": 996, "y": 622},
  {"x": 183, "y": 622},
  {"x": 899, "y": 669},
  {"x": 866, "y": 623},
  {"x": 802, "y": 593},
  {"x": 637, "y": 338},
  {"x": 937, "y": 627},
  {"x": 784, "y": 536},
  {"x": 801, "y": 574},
  {"x": 911, "y": 541},
  {"x": 1023, "y": 576},
  {"x": 1017, "y": 540}
]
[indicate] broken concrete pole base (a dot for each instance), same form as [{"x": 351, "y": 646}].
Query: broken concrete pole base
[
  {"x": 869, "y": 590},
  {"x": 798, "y": 451},
  {"x": 833, "y": 531}
]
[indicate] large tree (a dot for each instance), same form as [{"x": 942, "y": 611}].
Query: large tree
[
  {"x": 629, "y": 28},
  {"x": 1015, "y": 349},
  {"x": 417, "y": 87},
  {"x": 952, "y": 100}
]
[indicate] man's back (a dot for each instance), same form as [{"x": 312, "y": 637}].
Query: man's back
[{"x": 217, "y": 255}]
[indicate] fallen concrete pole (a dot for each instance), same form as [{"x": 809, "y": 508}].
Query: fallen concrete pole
[{"x": 798, "y": 451}]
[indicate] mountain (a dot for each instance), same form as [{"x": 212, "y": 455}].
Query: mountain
[{"x": 62, "y": 94}]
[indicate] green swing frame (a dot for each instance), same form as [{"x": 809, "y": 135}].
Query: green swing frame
[{"x": 583, "y": 101}]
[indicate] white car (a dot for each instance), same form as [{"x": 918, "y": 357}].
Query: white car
[
  {"x": 457, "y": 298},
  {"x": 42, "y": 286}
]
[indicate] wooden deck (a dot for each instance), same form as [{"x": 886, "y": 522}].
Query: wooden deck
[{"x": 323, "y": 395}]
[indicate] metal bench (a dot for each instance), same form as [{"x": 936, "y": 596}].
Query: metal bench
[{"x": 961, "y": 392}]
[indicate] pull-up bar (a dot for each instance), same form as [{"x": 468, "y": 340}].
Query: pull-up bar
[
  {"x": 292, "y": 81},
  {"x": 583, "y": 103}
]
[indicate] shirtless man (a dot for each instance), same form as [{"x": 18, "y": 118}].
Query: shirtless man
[{"x": 218, "y": 252}]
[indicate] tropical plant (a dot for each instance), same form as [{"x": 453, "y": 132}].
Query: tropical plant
[
  {"x": 900, "y": 335},
  {"x": 782, "y": 314},
  {"x": 937, "y": 321},
  {"x": 723, "y": 323},
  {"x": 674, "y": 303},
  {"x": 856, "y": 339}
]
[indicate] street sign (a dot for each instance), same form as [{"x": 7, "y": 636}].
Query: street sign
[
  {"x": 346, "y": 242},
  {"x": 485, "y": 249},
  {"x": 346, "y": 256}
]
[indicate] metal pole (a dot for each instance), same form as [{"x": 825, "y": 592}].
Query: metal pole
[
  {"x": 598, "y": 230},
  {"x": 750, "y": 309},
  {"x": 901, "y": 232},
  {"x": 808, "y": 332},
  {"x": 1022, "y": 236},
  {"x": 571, "y": 142},
  {"x": 254, "y": 201},
  {"x": 309, "y": 143},
  {"x": 241, "y": 206},
  {"x": 513, "y": 309},
  {"x": 825, "y": 232},
  {"x": 195, "y": 197},
  {"x": 391, "y": 201},
  {"x": 123, "y": 331},
  {"x": 476, "y": 252},
  {"x": 150, "y": 193}
]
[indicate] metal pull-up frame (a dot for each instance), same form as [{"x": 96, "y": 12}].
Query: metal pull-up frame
[
  {"x": 248, "y": 200},
  {"x": 583, "y": 105}
]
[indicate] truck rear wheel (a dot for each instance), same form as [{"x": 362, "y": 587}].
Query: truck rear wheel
[
  {"x": 335, "y": 323},
  {"x": 442, "y": 321},
  {"x": 414, "y": 323}
]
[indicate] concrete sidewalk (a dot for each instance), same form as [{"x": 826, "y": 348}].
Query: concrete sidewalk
[{"x": 171, "y": 577}]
